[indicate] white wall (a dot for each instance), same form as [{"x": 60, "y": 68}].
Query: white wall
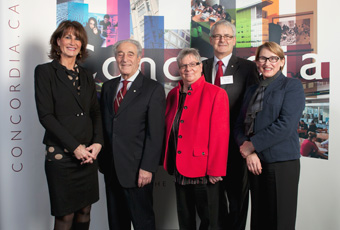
[{"x": 319, "y": 200}]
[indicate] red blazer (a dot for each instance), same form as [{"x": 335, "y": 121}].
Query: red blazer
[{"x": 203, "y": 135}]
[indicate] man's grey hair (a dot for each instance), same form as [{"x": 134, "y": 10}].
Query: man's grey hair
[
  {"x": 188, "y": 51},
  {"x": 225, "y": 23},
  {"x": 132, "y": 41}
]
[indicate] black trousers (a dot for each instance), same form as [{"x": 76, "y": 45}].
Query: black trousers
[
  {"x": 234, "y": 194},
  {"x": 126, "y": 205},
  {"x": 274, "y": 196},
  {"x": 203, "y": 198}
]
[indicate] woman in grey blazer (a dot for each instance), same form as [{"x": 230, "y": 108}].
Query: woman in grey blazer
[
  {"x": 68, "y": 109},
  {"x": 266, "y": 132}
]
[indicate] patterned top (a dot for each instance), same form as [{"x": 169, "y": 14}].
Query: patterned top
[{"x": 74, "y": 77}]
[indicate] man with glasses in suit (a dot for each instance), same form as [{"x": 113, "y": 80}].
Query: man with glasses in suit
[{"x": 234, "y": 75}]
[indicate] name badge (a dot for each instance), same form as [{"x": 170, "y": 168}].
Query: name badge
[{"x": 227, "y": 80}]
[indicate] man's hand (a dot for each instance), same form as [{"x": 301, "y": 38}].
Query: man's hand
[
  {"x": 144, "y": 178},
  {"x": 215, "y": 179}
]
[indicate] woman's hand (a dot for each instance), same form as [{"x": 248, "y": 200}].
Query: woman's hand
[
  {"x": 94, "y": 149},
  {"x": 246, "y": 149},
  {"x": 254, "y": 164},
  {"x": 83, "y": 155},
  {"x": 215, "y": 179},
  {"x": 95, "y": 30}
]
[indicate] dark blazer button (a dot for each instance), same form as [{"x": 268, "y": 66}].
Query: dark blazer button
[
  {"x": 185, "y": 107},
  {"x": 179, "y": 152},
  {"x": 182, "y": 121},
  {"x": 189, "y": 93},
  {"x": 180, "y": 136},
  {"x": 203, "y": 153}
]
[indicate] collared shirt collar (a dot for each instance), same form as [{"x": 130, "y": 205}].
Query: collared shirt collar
[
  {"x": 225, "y": 60},
  {"x": 131, "y": 79}
]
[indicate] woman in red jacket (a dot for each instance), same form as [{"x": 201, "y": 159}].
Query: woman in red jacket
[{"x": 197, "y": 136}]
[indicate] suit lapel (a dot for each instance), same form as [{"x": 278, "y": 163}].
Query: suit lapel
[
  {"x": 232, "y": 66},
  {"x": 133, "y": 92},
  {"x": 208, "y": 70},
  {"x": 230, "y": 70},
  {"x": 84, "y": 87},
  {"x": 111, "y": 94},
  {"x": 62, "y": 76}
]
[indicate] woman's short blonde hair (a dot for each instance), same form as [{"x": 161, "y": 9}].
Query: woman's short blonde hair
[{"x": 272, "y": 47}]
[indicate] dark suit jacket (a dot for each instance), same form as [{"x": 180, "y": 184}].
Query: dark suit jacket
[
  {"x": 244, "y": 74},
  {"x": 69, "y": 119},
  {"x": 275, "y": 130},
  {"x": 133, "y": 135}
]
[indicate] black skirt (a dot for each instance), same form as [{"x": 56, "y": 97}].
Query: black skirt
[{"x": 71, "y": 186}]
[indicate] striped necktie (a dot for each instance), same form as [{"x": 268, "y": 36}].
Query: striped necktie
[{"x": 120, "y": 95}]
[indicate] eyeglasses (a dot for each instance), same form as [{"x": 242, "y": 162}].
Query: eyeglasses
[
  {"x": 191, "y": 65},
  {"x": 272, "y": 59},
  {"x": 225, "y": 36}
]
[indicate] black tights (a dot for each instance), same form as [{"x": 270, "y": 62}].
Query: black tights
[{"x": 79, "y": 219}]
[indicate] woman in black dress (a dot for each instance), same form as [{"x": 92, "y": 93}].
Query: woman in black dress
[{"x": 68, "y": 109}]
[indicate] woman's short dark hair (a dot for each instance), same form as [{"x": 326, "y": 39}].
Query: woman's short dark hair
[
  {"x": 311, "y": 135},
  {"x": 78, "y": 30}
]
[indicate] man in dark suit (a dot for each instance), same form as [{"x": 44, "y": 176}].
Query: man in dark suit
[
  {"x": 133, "y": 116},
  {"x": 236, "y": 74}
]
